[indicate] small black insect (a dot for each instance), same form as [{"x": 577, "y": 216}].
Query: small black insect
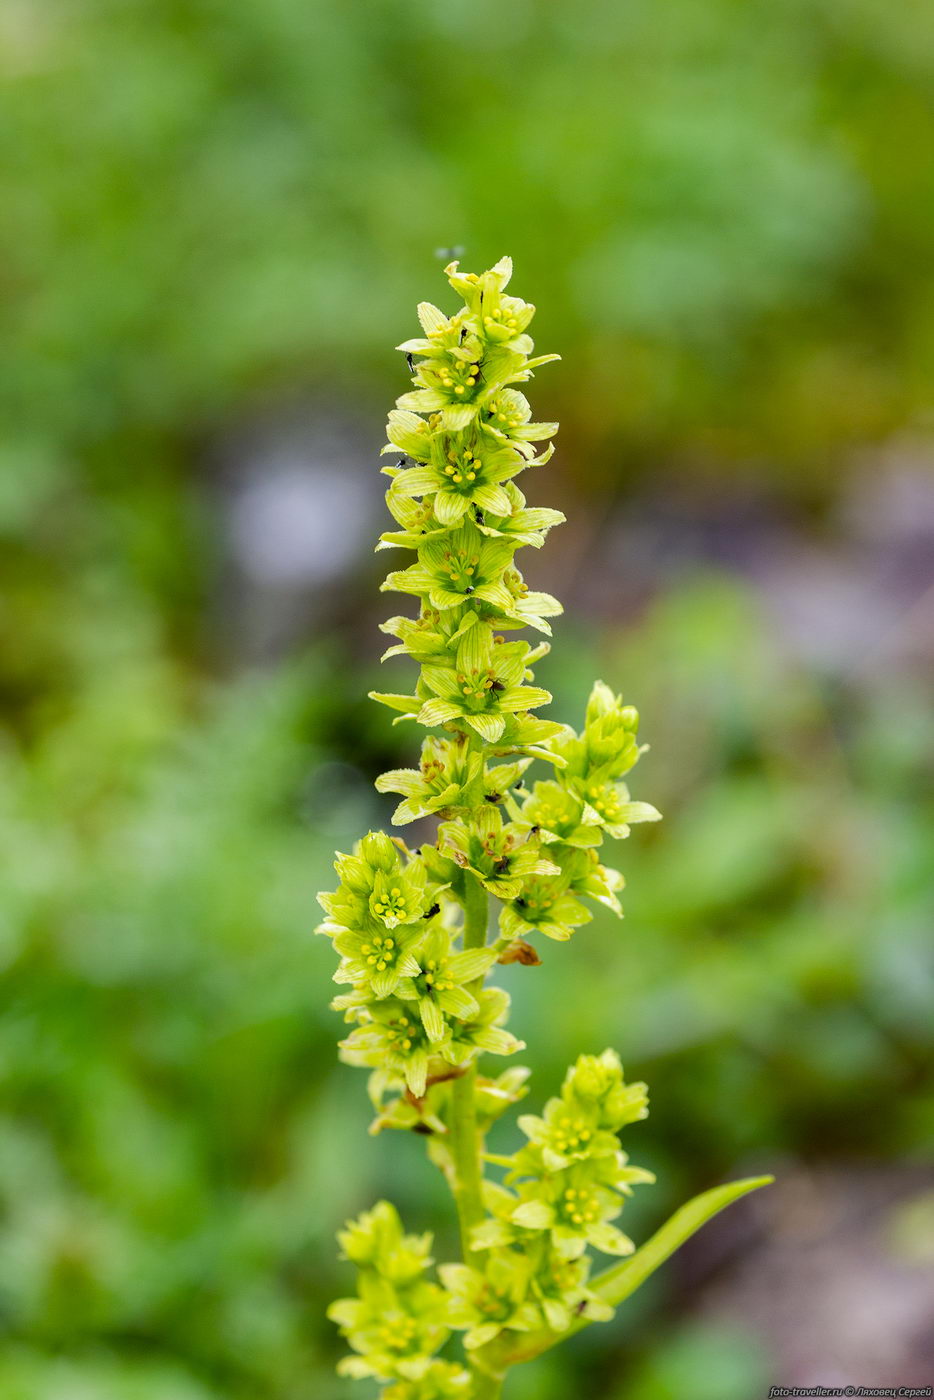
[
  {"x": 518, "y": 783},
  {"x": 478, "y": 515},
  {"x": 411, "y": 363},
  {"x": 462, "y": 335},
  {"x": 402, "y": 461},
  {"x": 423, "y": 1129},
  {"x": 497, "y": 685},
  {"x": 493, "y": 796},
  {"x": 581, "y": 1307},
  {"x": 520, "y": 901},
  {"x": 534, "y": 830},
  {"x": 435, "y": 909},
  {"x": 502, "y": 865},
  {"x": 470, "y": 588}
]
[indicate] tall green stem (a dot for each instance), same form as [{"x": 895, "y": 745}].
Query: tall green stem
[{"x": 466, "y": 1145}]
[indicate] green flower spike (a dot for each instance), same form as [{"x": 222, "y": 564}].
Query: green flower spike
[{"x": 410, "y": 929}]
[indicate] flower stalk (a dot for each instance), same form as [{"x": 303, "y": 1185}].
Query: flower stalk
[
  {"x": 466, "y": 1138},
  {"x": 410, "y": 926}
]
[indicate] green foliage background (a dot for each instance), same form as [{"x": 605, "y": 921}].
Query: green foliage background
[{"x": 725, "y": 213}]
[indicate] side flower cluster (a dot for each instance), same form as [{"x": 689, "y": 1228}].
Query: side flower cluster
[
  {"x": 567, "y": 1184},
  {"x": 398, "y": 1321}
]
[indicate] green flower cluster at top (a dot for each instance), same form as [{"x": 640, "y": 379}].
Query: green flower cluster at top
[{"x": 409, "y": 927}]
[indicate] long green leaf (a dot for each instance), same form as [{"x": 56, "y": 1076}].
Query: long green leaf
[{"x": 617, "y": 1283}]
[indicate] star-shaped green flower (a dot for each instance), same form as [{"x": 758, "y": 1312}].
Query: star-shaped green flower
[
  {"x": 375, "y": 899},
  {"x": 587, "y": 877},
  {"x": 546, "y": 904},
  {"x": 482, "y": 687},
  {"x": 438, "y": 984},
  {"x": 430, "y": 637},
  {"x": 447, "y": 778},
  {"x": 417, "y": 520},
  {"x": 485, "y": 1302},
  {"x": 524, "y": 524},
  {"x": 576, "y": 1209},
  {"x": 380, "y": 888},
  {"x": 567, "y": 1133},
  {"x": 527, "y": 734},
  {"x": 559, "y": 1286},
  {"x": 559, "y": 815},
  {"x": 503, "y": 318},
  {"x": 396, "y": 1331},
  {"x": 483, "y": 1031},
  {"x": 608, "y": 806},
  {"x": 392, "y": 1037},
  {"x": 501, "y": 856},
  {"x": 506, "y": 416},
  {"x": 463, "y": 566},
  {"x": 465, "y": 470},
  {"x": 380, "y": 961}
]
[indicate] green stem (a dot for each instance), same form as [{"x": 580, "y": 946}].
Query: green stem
[
  {"x": 466, "y": 1145},
  {"x": 485, "y": 1386}
]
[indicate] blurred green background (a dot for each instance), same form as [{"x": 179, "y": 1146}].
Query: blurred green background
[{"x": 216, "y": 221}]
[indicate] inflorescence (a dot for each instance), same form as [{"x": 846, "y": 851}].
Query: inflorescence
[{"x": 409, "y": 927}]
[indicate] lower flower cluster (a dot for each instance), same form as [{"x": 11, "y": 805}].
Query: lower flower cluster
[
  {"x": 399, "y": 1319},
  {"x": 533, "y": 1269}
]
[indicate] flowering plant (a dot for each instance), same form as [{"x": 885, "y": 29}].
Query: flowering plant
[{"x": 411, "y": 927}]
